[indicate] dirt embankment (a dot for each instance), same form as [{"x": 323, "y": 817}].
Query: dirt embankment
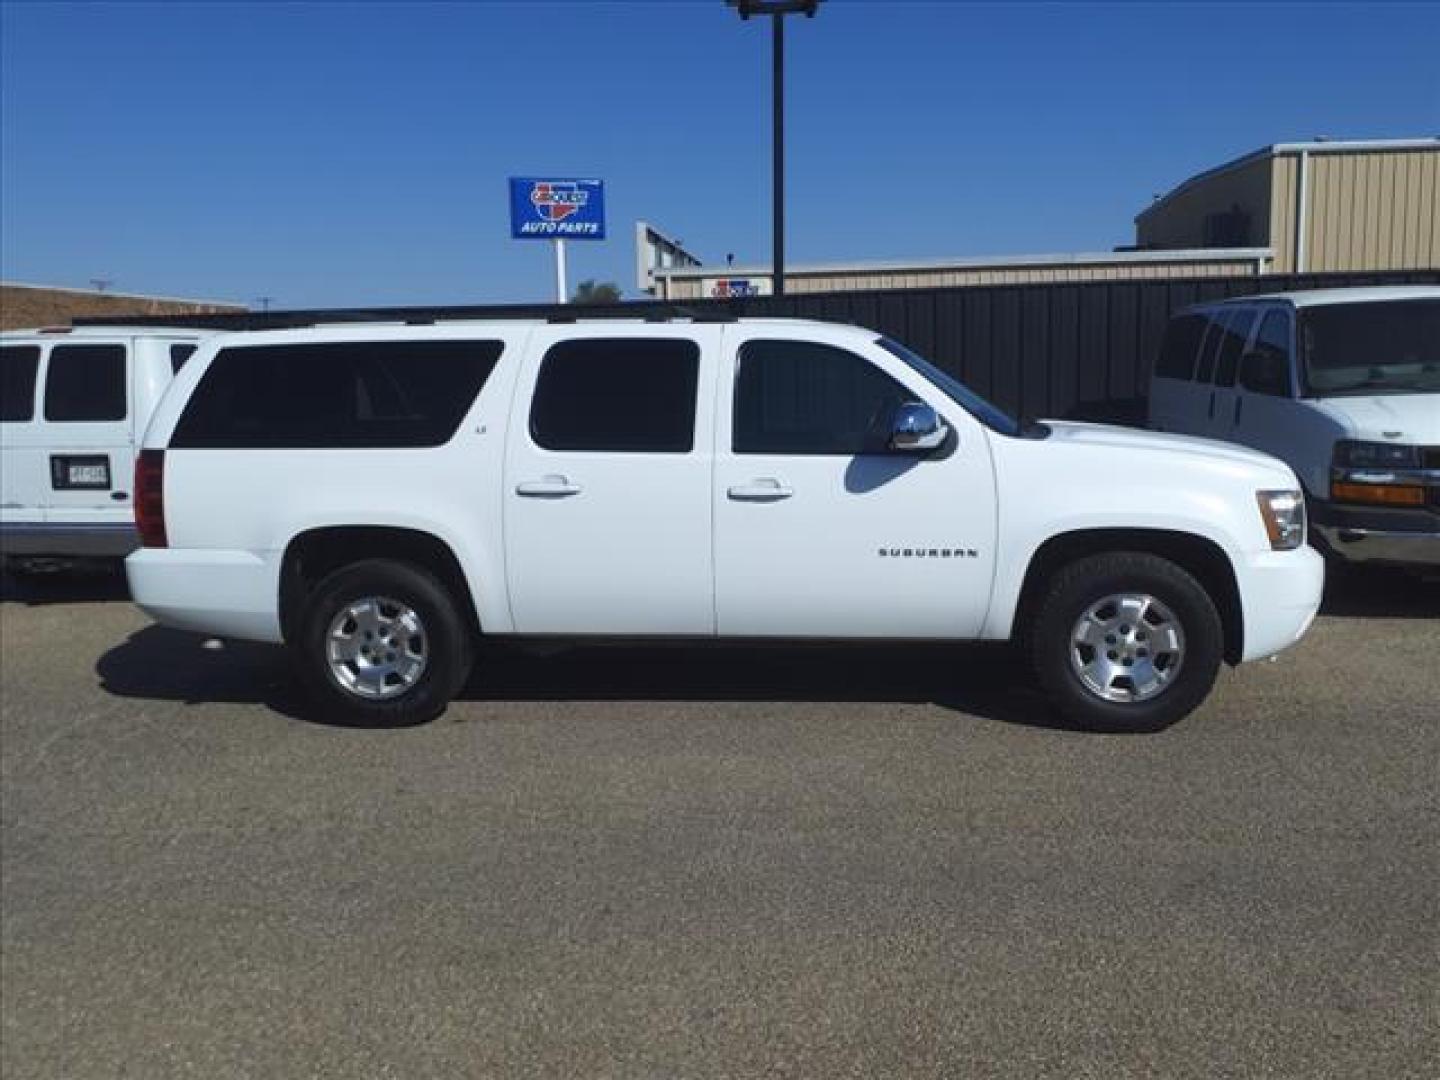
[{"x": 24, "y": 306}]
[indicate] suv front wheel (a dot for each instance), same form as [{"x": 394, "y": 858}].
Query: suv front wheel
[
  {"x": 382, "y": 643},
  {"x": 1126, "y": 641}
]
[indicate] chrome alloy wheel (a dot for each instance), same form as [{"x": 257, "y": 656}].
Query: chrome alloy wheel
[
  {"x": 1127, "y": 647},
  {"x": 377, "y": 648}
]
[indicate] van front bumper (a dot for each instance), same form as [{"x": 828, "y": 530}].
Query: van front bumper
[
  {"x": 1382, "y": 545},
  {"x": 1399, "y": 536}
]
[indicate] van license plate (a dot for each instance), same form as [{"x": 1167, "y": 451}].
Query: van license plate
[{"x": 89, "y": 471}]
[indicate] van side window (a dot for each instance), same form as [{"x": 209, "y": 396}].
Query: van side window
[
  {"x": 85, "y": 383},
  {"x": 1237, "y": 332},
  {"x": 179, "y": 354},
  {"x": 17, "y": 382},
  {"x": 617, "y": 395},
  {"x": 1210, "y": 348},
  {"x": 801, "y": 397},
  {"x": 1181, "y": 343},
  {"x": 339, "y": 394},
  {"x": 1266, "y": 368}
]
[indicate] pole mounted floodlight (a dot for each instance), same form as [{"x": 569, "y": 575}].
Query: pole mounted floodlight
[{"x": 777, "y": 10}]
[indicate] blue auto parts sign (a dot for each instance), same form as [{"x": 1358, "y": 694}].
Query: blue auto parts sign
[{"x": 556, "y": 209}]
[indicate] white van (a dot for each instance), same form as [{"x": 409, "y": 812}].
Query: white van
[
  {"x": 74, "y": 403},
  {"x": 1343, "y": 385}
]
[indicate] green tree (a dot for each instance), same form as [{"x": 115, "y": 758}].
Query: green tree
[{"x": 591, "y": 291}]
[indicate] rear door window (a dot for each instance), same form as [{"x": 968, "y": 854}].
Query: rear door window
[
  {"x": 18, "y": 364},
  {"x": 336, "y": 394},
  {"x": 1232, "y": 345},
  {"x": 179, "y": 354},
  {"x": 621, "y": 395},
  {"x": 1178, "y": 350},
  {"x": 85, "y": 383},
  {"x": 1210, "y": 347}
]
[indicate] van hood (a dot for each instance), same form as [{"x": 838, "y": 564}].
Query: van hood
[
  {"x": 1400, "y": 418},
  {"x": 1122, "y": 438}
]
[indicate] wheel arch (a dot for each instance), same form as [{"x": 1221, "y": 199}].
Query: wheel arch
[
  {"x": 1200, "y": 556},
  {"x": 317, "y": 552}
]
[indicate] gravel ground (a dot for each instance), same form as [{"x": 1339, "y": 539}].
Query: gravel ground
[{"x": 799, "y": 862}]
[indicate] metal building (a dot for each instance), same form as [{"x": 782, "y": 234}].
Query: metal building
[
  {"x": 1319, "y": 206},
  {"x": 693, "y": 282}
]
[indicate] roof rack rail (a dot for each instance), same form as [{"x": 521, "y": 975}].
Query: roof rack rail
[{"x": 705, "y": 311}]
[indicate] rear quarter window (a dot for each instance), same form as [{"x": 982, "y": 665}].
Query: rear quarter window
[
  {"x": 85, "y": 384},
  {"x": 1179, "y": 348},
  {"x": 18, "y": 364},
  {"x": 336, "y": 395}
]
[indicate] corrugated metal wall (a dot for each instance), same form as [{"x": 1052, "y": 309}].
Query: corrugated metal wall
[
  {"x": 1080, "y": 351},
  {"x": 1058, "y": 350},
  {"x": 1373, "y": 211}
]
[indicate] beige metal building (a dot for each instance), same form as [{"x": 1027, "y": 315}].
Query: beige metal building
[
  {"x": 695, "y": 282},
  {"x": 1320, "y": 206}
]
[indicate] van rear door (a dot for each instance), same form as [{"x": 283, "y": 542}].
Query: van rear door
[
  {"x": 22, "y": 469},
  {"x": 86, "y": 413}
]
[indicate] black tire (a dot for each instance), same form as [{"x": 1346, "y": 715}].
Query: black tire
[
  {"x": 1081, "y": 585},
  {"x": 446, "y": 643}
]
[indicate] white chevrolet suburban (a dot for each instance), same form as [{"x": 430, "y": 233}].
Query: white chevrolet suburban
[
  {"x": 1343, "y": 385},
  {"x": 74, "y": 403},
  {"x": 379, "y": 496}
]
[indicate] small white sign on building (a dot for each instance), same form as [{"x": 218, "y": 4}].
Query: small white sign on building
[{"x": 721, "y": 288}]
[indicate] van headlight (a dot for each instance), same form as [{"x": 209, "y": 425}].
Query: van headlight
[{"x": 1284, "y": 515}]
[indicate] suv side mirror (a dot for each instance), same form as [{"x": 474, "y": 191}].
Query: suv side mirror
[
  {"x": 916, "y": 427},
  {"x": 1265, "y": 371}
]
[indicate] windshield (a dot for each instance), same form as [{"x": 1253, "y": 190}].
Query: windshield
[
  {"x": 1383, "y": 347},
  {"x": 992, "y": 416}
]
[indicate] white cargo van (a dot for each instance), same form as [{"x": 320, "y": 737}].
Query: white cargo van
[
  {"x": 1343, "y": 385},
  {"x": 73, "y": 404}
]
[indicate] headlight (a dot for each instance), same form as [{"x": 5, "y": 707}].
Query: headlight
[
  {"x": 1284, "y": 515},
  {"x": 1373, "y": 455}
]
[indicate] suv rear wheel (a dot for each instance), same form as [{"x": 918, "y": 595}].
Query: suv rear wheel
[
  {"x": 1126, "y": 641},
  {"x": 382, "y": 643}
]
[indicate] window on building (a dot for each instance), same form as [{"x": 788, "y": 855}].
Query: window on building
[
  {"x": 618, "y": 395},
  {"x": 1227, "y": 228}
]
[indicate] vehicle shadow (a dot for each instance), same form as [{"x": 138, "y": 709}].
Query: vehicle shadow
[
  {"x": 84, "y": 584},
  {"x": 989, "y": 682},
  {"x": 1361, "y": 592}
]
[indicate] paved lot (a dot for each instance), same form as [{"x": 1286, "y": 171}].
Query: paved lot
[{"x": 648, "y": 863}]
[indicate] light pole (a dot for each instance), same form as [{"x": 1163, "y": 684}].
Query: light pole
[{"x": 777, "y": 10}]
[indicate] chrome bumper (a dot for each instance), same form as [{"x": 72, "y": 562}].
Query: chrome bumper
[
  {"x": 75, "y": 540},
  {"x": 1380, "y": 545}
]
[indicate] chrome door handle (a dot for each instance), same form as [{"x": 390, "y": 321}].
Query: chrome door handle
[
  {"x": 547, "y": 487},
  {"x": 766, "y": 490}
]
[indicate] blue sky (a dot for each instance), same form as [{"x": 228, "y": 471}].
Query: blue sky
[{"x": 338, "y": 154}]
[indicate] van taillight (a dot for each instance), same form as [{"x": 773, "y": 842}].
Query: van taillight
[{"x": 150, "y": 498}]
